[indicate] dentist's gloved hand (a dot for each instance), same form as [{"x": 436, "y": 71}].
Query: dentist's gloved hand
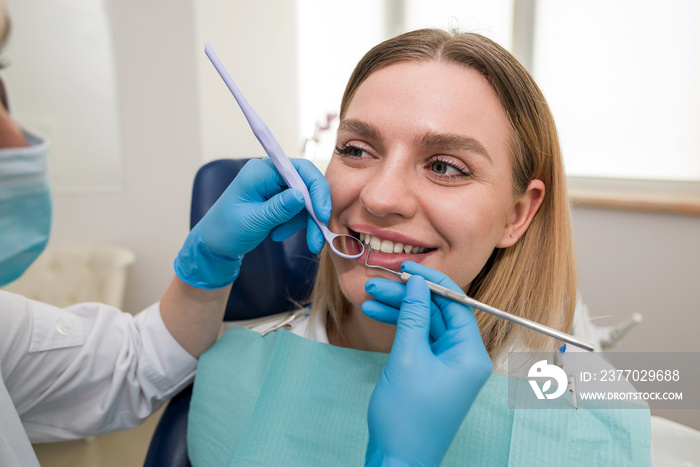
[
  {"x": 256, "y": 203},
  {"x": 426, "y": 389}
]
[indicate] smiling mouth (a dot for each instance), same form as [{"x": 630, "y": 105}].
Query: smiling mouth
[{"x": 387, "y": 246}]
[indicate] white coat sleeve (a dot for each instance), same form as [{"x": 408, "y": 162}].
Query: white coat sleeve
[{"x": 86, "y": 369}]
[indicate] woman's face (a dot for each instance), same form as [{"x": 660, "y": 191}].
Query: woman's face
[{"x": 422, "y": 163}]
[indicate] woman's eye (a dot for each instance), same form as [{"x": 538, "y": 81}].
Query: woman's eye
[
  {"x": 351, "y": 151},
  {"x": 448, "y": 169},
  {"x": 441, "y": 168}
]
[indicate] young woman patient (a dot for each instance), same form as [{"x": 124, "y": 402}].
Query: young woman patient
[
  {"x": 447, "y": 166},
  {"x": 447, "y": 145}
]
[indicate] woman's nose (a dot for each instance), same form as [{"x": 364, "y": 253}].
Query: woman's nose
[{"x": 389, "y": 192}]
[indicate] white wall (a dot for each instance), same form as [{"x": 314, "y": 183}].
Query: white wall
[
  {"x": 648, "y": 263},
  {"x": 160, "y": 146},
  {"x": 256, "y": 41},
  {"x": 641, "y": 262}
]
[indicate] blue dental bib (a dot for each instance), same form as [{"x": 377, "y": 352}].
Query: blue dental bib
[{"x": 285, "y": 400}]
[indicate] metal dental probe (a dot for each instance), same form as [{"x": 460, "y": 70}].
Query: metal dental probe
[{"x": 464, "y": 299}]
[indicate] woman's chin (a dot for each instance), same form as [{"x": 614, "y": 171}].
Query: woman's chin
[{"x": 352, "y": 283}]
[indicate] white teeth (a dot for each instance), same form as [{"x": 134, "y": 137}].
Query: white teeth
[
  {"x": 386, "y": 246},
  {"x": 365, "y": 238}
]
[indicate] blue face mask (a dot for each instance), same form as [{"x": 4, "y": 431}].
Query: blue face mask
[{"x": 25, "y": 206}]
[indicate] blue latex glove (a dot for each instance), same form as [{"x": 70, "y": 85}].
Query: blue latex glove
[
  {"x": 426, "y": 389},
  {"x": 256, "y": 203}
]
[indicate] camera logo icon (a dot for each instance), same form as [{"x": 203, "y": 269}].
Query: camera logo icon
[{"x": 542, "y": 369}]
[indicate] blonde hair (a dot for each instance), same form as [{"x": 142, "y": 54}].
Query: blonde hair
[{"x": 536, "y": 277}]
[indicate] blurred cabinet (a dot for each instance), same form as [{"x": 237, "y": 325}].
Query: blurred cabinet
[{"x": 66, "y": 274}]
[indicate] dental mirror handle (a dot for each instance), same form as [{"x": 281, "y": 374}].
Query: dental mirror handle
[
  {"x": 464, "y": 299},
  {"x": 267, "y": 140},
  {"x": 279, "y": 158}
]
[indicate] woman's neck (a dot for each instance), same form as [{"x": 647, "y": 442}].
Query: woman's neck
[{"x": 358, "y": 331}]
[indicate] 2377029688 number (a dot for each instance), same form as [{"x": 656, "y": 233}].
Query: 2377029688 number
[{"x": 639, "y": 375}]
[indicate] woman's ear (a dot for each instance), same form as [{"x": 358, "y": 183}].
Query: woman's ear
[{"x": 522, "y": 212}]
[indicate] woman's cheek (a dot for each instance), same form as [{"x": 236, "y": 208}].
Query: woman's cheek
[{"x": 351, "y": 279}]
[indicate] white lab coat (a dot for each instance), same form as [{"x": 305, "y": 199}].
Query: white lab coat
[{"x": 80, "y": 371}]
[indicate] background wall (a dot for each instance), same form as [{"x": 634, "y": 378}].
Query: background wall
[
  {"x": 171, "y": 102},
  {"x": 256, "y": 41},
  {"x": 648, "y": 263},
  {"x": 157, "y": 82},
  {"x": 640, "y": 262}
]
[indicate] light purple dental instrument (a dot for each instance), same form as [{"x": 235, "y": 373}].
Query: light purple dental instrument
[
  {"x": 345, "y": 246},
  {"x": 464, "y": 299}
]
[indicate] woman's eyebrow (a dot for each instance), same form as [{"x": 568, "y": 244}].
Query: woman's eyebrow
[
  {"x": 429, "y": 140},
  {"x": 452, "y": 142},
  {"x": 360, "y": 128}
]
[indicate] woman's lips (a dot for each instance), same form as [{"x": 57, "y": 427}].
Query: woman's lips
[{"x": 391, "y": 261}]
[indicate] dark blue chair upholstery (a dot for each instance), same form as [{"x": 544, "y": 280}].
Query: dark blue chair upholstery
[{"x": 273, "y": 278}]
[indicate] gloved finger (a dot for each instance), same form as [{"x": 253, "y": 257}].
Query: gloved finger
[
  {"x": 277, "y": 210},
  {"x": 430, "y": 274},
  {"x": 413, "y": 326},
  {"x": 453, "y": 316},
  {"x": 380, "y": 312},
  {"x": 387, "y": 291},
  {"x": 390, "y": 315},
  {"x": 318, "y": 187},
  {"x": 314, "y": 236},
  {"x": 459, "y": 343},
  {"x": 289, "y": 228},
  {"x": 258, "y": 180},
  {"x": 462, "y": 342},
  {"x": 392, "y": 293}
]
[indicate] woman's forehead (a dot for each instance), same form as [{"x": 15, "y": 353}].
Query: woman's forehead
[
  {"x": 430, "y": 98},
  {"x": 447, "y": 85}
]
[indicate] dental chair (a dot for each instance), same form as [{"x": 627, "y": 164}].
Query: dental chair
[{"x": 273, "y": 278}]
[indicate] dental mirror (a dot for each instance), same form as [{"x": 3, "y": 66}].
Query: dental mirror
[{"x": 345, "y": 246}]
